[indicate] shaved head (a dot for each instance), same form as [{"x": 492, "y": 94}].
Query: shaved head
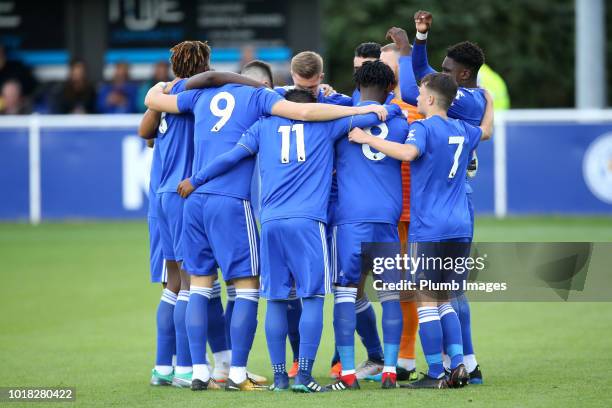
[{"x": 259, "y": 71}]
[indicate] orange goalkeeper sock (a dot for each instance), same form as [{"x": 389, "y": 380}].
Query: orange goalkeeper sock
[{"x": 409, "y": 332}]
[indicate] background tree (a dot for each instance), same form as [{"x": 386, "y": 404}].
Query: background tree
[{"x": 529, "y": 42}]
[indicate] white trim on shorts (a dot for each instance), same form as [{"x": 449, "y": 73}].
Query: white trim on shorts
[
  {"x": 325, "y": 257},
  {"x": 164, "y": 273},
  {"x": 252, "y": 234},
  {"x": 334, "y": 254}
]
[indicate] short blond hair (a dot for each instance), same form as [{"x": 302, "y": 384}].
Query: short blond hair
[
  {"x": 390, "y": 47},
  {"x": 307, "y": 64}
]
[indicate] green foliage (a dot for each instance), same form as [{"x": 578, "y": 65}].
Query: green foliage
[{"x": 530, "y": 43}]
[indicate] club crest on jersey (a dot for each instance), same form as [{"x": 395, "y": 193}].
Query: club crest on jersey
[
  {"x": 411, "y": 137},
  {"x": 163, "y": 125}
]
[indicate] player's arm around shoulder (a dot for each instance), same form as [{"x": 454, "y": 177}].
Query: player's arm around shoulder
[
  {"x": 151, "y": 118},
  {"x": 487, "y": 120},
  {"x": 400, "y": 151},
  {"x": 212, "y": 79},
  {"x": 159, "y": 101},
  {"x": 319, "y": 112}
]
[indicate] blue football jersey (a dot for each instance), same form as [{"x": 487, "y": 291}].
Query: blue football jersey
[
  {"x": 222, "y": 115},
  {"x": 438, "y": 200},
  {"x": 469, "y": 105},
  {"x": 175, "y": 145},
  {"x": 369, "y": 182},
  {"x": 295, "y": 163},
  {"x": 154, "y": 180},
  {"x": 333, "y": 99}
]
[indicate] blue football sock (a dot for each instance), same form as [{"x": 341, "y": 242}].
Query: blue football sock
[
  {"x": 311, "y": 327},
  {"x": 183, "y": 355},
  {"x": 244, "y": 324},
  {"x": 294, "y": 312},
  {"x": 462, "y": 308},
  {"x": 336, "y": 357},
  {"x": 229, "y": 310},
  {"x": 216, "y": 321},
  {"x": 451, "y": 330},
  {"x": 430, "y": 332},
  {"x": 392, "y": 322},
  {"x": 196, "y": 318},
  {"x": 165, "y": 329},
  {"x": 276, "y": 332},
  {"x": 304, "y": 370},
  {"x": 366, "y": 328},
  {"x": 344, "y": 327}
]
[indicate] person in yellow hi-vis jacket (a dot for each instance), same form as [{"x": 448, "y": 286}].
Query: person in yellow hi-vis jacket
[{"x": 495, "y": 84}]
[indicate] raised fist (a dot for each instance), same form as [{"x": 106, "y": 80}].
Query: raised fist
[{"x": 422, "y": 21}]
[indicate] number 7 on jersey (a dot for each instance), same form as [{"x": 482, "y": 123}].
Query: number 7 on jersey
[{"x": 458, "y": 140}]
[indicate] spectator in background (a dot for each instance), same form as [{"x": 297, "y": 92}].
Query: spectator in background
[
  {"x": 495, "y": 84},
  {"x": 161, "y": 73},
  {"x": 17, "y": 71},
  {"x": 118, "y": 96},
  {"x": 77, "y": 94},
  {"x": 12, "y": 100}
]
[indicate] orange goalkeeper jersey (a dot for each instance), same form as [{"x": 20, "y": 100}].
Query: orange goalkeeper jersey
[{"x": 411, "y": 113}]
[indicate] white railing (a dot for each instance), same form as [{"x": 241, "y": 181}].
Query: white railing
[{"x": 35, "y": 122}]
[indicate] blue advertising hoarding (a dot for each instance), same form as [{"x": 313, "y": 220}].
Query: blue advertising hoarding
[
  {"x": 14, "y": 175},
  {"x": 98, "y": 168}
]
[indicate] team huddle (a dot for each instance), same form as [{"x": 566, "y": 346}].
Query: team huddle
[{"x": 389, "y": 164}]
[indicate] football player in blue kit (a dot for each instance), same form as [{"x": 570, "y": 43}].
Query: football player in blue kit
[
  {"x": 368, "y": 210},
  {"x": 218, "y": 223},
  {"x": 307, "y": 74},
  {"x": 438, "y": 148},
  {"x": 462, "y": 62},
  {"x": 295, "y": 161},
  {"x": 171, "y": 163},
  {"x": 163, "y": 372}
]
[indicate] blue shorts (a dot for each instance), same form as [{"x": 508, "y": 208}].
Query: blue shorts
[
  {"x": 437, "y": 272},
  {"x": 294, "y": 250},
  {"x": 170, "y": 223},
  {"x": 159, "y": 274},
  {"x": 219, "y": 231},
  {"x": 331, "y": 211},
  {"x": 347, "y": 239}
]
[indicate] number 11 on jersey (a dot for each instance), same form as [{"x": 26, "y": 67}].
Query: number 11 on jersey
[{"x": 285, "y": 132}]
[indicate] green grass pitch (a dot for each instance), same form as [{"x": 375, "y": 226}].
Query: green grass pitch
[{"x": 77, "y": 310}]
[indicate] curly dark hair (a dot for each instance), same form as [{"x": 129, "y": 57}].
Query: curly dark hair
[
  {"x": 189, "y": 58},
  {"x": 468, "y": 54},
  {"x": 375, "y": 73},
  {"x": 368, "y": 50}
]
